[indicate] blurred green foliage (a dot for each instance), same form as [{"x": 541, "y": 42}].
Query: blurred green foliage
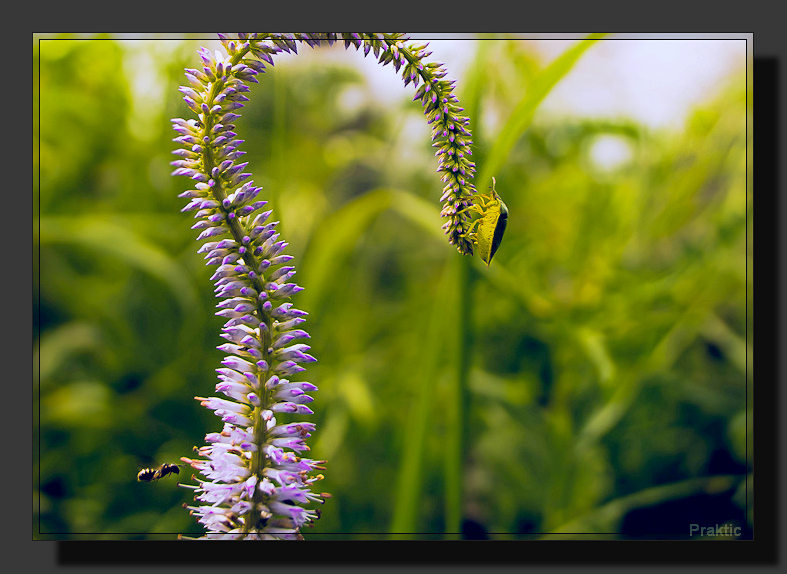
[{"x": 593, "y": 377}]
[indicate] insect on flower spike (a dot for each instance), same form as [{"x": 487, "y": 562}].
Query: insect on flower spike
[{"x": 486, "y": 231}]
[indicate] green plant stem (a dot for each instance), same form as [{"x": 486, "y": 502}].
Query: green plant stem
[
  {"x": 458, "y": 407},
  {"x": 411, "y": 468}
]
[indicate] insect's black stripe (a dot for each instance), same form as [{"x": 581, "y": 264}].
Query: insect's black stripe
[{"x": 500, "y": 228}]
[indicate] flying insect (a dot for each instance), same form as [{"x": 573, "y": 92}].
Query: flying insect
[
  {"x": 486, "y": 231},
  {"x": 149, "y": 474}
]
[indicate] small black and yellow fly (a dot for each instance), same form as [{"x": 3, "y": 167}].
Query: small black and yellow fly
[{"x": 149, "y": 474}]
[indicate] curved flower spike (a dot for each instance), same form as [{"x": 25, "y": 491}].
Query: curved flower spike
[{"x": 254, "y": 486}]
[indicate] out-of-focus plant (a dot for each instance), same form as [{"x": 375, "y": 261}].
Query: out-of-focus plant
[{"x": 597, "y": 384}]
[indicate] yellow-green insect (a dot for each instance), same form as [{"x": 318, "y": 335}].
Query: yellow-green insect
[{"x": 487, "y": 230}]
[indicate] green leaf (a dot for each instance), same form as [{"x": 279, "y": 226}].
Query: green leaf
[
  {"x": 606, "y": 518},
  {"x": 408, "y": 508},
  {"x": 114, "y": 240},
  {"x": 334, "y": 240},
  {"x": 522, "y": 116}
]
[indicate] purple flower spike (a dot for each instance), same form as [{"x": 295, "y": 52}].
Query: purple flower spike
[
  {"x": 239, "y": 495},
  {"x": 253, "y": 486}
]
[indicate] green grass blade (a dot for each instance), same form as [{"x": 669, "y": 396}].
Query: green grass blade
[
  {"x": 332, "y": 243},
  {"x": 114, "y": 240},
  {"x": 457, "y": 404},
  {"x": 338, "y": 234},
  {"x": 522, "y": 116},
  {"x": 607, "y": 518},
  {"x": 411, "y": 468}
]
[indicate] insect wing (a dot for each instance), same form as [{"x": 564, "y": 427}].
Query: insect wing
[
  {"x": 500, "y": 229},
  {"x": 168, "y": 469},
  {"x": 491, "y": 227}
]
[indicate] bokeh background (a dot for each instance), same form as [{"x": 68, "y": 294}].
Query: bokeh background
[{"x": 592, "y": 380}]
